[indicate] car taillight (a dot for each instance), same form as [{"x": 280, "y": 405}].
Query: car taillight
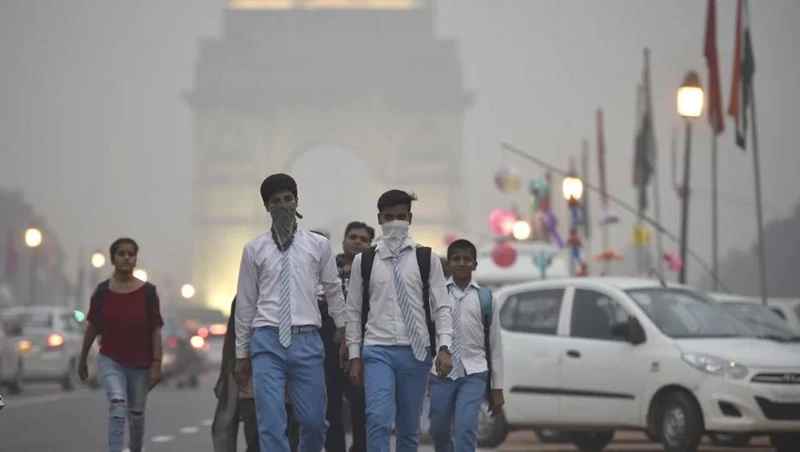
[
  {"x": 218, "y": 329},
  {"x": 172, "y": 342},
  {"x": 197, "y": 342},
  {"x": 55, "y": 340},
  {"x": 202, "y": 332}
]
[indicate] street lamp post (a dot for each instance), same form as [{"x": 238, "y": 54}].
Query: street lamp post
[
  {"x": 140, "y": 274},
  {"x": 572, "y": 188},
  {"x": 33, "y": 239},
  {"x": 98, "y": 260},
  {"x": 187, "y": 291},
  {"x": 690, "y": 107}
]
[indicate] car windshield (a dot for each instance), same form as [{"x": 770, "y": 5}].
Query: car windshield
[
  {"x": 763, "y": 320},
  {"x": 681, "y": 313}
]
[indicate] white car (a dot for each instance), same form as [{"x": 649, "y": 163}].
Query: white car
[
  {"x": 10, "y": 360},
  {"x": 49, "y": 341},
  {"x": 586, "y": 356}
]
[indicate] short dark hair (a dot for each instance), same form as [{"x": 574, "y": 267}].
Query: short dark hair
[
  {"x": 360, "y": 225},
  {"x": 396, "y": 198},
  {"x": 123, "y": 241},
  {"x": 462, "y": 245},
  {"x": 275, "y": 183}
]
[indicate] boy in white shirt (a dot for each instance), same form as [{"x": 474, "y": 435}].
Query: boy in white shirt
[{"x": 477, "y": 357}]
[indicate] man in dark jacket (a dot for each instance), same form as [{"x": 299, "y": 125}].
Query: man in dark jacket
[{"x": 236, "y": 404}]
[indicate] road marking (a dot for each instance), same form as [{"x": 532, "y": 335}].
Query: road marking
[
  {"x": 161, "y": 439},
  {"x": 36, "y": 400},
  {"x": 207, "y": 422},
  {"x": 187, "y": 430}
]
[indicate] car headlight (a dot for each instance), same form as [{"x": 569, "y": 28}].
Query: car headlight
[{"x": 713, "y": 365}]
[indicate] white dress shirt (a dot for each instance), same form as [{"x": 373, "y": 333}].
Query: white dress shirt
[
  {"x": 385, "y": 325},
  {"x": 258, "y": 295},
  {"x": 470, "y": 333}
]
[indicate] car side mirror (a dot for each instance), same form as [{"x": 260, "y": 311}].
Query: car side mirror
[{"x": 632, "y": 331}]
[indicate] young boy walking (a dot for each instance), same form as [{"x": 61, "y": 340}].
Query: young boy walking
[{"x": 477, "y": 356}]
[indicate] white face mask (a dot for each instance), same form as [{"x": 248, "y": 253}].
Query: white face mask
[{"x": 395, "y": 234}]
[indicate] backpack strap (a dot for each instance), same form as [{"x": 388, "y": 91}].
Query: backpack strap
[
  {"x": 149, "y": 303},
  {"x": 367, "y": 259},
  {"x": 424, "y": 262},
  {"x": 485, "y": 298},
  {"x": 99, "y": 298}
]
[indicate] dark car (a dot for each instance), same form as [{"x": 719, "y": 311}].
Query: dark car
[
  {"x": 183, "y": 361},
  {"x": 211, "y": 325}
]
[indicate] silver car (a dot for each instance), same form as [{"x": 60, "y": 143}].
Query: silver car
[
  {"x": 10, "y": 359},
  {"x": 49, "y": 342}
]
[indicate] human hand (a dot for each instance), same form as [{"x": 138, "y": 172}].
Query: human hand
[
  {"x": 242, "y": 372},
  {"x": 356, "y": 371},
  {"x": 444, "y": 364},
  {"x": 496, "y": 401}
]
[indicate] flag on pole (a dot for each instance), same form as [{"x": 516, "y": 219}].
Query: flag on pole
[
  {"x": 601, "y": 160},
  {"x": 715, "y": 115},
  {"x": 644, "y": 145},
  {"x": 744, "y": 67}
]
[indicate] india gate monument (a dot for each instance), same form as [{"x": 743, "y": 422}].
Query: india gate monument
[{"x": 286, "y": 75}]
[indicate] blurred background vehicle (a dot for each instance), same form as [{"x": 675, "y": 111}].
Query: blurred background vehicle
[
  {"x": 209, "y": 324},
  {"x": 185, "y": 353},
  {"x": 48, "y": 341}
]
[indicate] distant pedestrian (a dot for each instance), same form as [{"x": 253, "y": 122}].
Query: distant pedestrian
[
  {"x": 124, "y": 311},
  {"x": 277, "y": 320},
  {"x": 398, "y": 307}
]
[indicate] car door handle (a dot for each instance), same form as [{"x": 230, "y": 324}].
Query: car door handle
[{"x": 573, "y": 353}]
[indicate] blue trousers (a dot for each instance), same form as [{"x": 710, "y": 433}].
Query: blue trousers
[
  {"x": 126, "y": 390},
  {"x": 302, "y": 365},
  {"x": 395, "y": 384},
  {"x": 455, "y": 406}
]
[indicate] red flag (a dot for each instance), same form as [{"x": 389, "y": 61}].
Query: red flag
[
  {"x": 715, "y": 114},
  {"x": 10, "y": 267}
]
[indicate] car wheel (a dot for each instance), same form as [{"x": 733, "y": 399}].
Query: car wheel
[
  {"x": 591, "y": 441},
  {"x": 68, "y": 380},
  {"x": 547, "y": 436},
  {"x": 785, "y": 442},
  {"x": 16, "y": 385},
  {"x": 730, "y": 439},
  {"x": 681, "y": 423},
  {"x": 492, "y": 430}
]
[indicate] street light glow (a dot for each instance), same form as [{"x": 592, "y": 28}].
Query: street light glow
[
  {"x": 140, "y": 274},
  {"x": 690, "y": 96},
  {"x": 187, "y": 291},
  {"x": 521, "y": 230},
  {"x": 98, "y": 259},
  {"x": 572, "y": 187},
  {"x": 33, "y": 237}
]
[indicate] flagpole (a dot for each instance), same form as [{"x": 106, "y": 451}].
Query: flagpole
[
  {"x": 762, "y": 261},
  {"x": 714, "y": 209},
  {"x": 685, "y": 191}
]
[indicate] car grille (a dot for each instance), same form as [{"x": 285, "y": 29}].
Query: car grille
[
  {"x": 779, "y": 411},
  {"x": 778, "y": 378}
]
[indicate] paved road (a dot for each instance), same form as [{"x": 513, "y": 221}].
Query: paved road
[{"x": 44, "y": 419}]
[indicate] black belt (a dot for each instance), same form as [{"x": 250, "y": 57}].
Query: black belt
[{"x": 302, "y": 329}]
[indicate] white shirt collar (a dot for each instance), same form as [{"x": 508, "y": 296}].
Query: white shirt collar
[
  {"x": 451, "y": 283},
  {"x": 382, "y": 250}
]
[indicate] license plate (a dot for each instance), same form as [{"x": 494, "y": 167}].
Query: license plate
[{"x": 786, "y": 397}]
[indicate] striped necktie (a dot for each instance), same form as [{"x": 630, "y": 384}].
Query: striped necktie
[
  {"x": 417, "y": 343},
  {"x": 285, "y": 312},
  {"x": 458, "y": 366}
]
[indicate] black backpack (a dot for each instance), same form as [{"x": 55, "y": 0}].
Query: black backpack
[
  {"x": 424, "y": 263},
  {"x": 100, "y": 298}
]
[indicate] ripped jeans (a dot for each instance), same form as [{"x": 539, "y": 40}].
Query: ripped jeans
[{"x": 126, "y": 389}]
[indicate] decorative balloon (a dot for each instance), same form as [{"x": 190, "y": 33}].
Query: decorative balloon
[
  {"x": 504, "y": 255},
  {"x": 542, "y": 260},
  {"x": 574, "y": 243},
  {"x": 575, "y": 211},
  {"x": 551, "y": 227},
  {"x": 673, "y": 261},
  {"x": 507, "y": 179},
  {"x": 501, "y": 222}
]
